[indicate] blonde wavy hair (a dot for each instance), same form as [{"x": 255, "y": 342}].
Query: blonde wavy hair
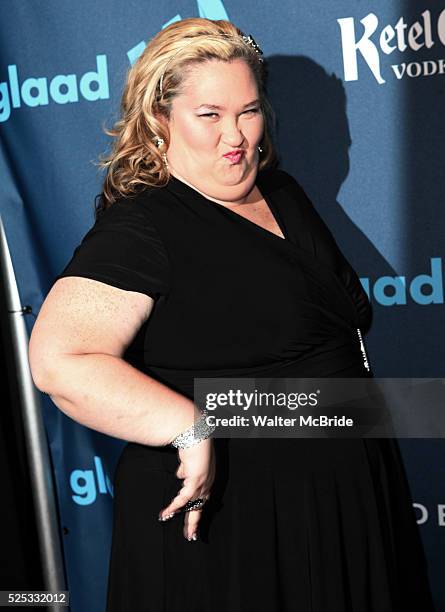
[{"x": 135, "y": 159}]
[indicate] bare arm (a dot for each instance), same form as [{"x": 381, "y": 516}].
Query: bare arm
[{"x": 75, "y": 355}]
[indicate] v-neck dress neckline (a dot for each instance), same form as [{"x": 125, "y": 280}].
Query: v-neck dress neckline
[
  {"x": 289, "y": 244},
  {"x": 187, "y": 189}
]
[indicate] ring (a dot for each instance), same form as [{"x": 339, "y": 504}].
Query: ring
[{"x": 194, "y": 504}]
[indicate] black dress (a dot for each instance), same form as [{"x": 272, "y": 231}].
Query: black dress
[{"x": 293, "y": 525}]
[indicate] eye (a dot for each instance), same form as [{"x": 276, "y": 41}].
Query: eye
[{"x": 250, "y": 110}]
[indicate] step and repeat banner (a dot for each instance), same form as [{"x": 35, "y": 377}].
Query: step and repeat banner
[{"x": 358, "y": 90}]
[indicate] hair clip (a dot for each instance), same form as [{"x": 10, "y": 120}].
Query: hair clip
[{"x": 249, "y": 40}]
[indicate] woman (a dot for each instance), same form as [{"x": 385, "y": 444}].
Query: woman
[{"x": 206, "y": 260}]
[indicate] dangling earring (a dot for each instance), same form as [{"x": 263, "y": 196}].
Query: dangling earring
[
  {"x": 260, "y": 150},
  {"x": 159, "y": 143}
]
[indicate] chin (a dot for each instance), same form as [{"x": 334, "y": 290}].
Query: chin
[{"x": 236, "y": 174}]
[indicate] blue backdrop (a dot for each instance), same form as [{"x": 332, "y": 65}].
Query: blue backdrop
[{"x": 359, "y": 92}]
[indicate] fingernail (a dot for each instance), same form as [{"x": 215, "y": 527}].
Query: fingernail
[{"x": 195, "y": 536}]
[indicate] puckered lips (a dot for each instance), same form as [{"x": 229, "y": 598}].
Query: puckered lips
[{"x": 234, "y": 156}]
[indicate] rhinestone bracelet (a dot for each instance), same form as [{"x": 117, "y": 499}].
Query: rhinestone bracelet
[{"x": 194, "y": 434}]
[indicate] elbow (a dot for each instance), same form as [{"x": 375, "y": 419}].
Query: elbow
[
  {"x": 41, "y": 377},
  {"x": 39, "y": 364},
  {"x": 41, "y": 380}
]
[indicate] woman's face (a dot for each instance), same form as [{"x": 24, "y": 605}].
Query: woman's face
[{"x": 217, "y": 112}]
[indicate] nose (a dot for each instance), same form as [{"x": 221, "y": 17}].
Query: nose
[{"x": 231, "y": 134}]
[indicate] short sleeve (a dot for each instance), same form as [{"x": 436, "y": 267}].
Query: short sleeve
[{"x": 123, "y": 249}]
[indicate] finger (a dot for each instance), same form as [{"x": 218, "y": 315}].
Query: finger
[
  {"x": 183, "y": 496},
  {"x": 191, "y": 523}
]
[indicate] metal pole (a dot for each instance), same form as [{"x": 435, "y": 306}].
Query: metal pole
[{"x": 36, "y": 442}]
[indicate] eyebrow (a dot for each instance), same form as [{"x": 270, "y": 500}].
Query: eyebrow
[{"x": 215, "y": 106}]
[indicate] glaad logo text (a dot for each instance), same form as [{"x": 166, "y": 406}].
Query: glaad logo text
[
  {"x": 424, "y": 289},
  {"x": 84, "y": 486},
  {"x": 418, "y": 36},
  {"x": 62, "y": 89}
]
